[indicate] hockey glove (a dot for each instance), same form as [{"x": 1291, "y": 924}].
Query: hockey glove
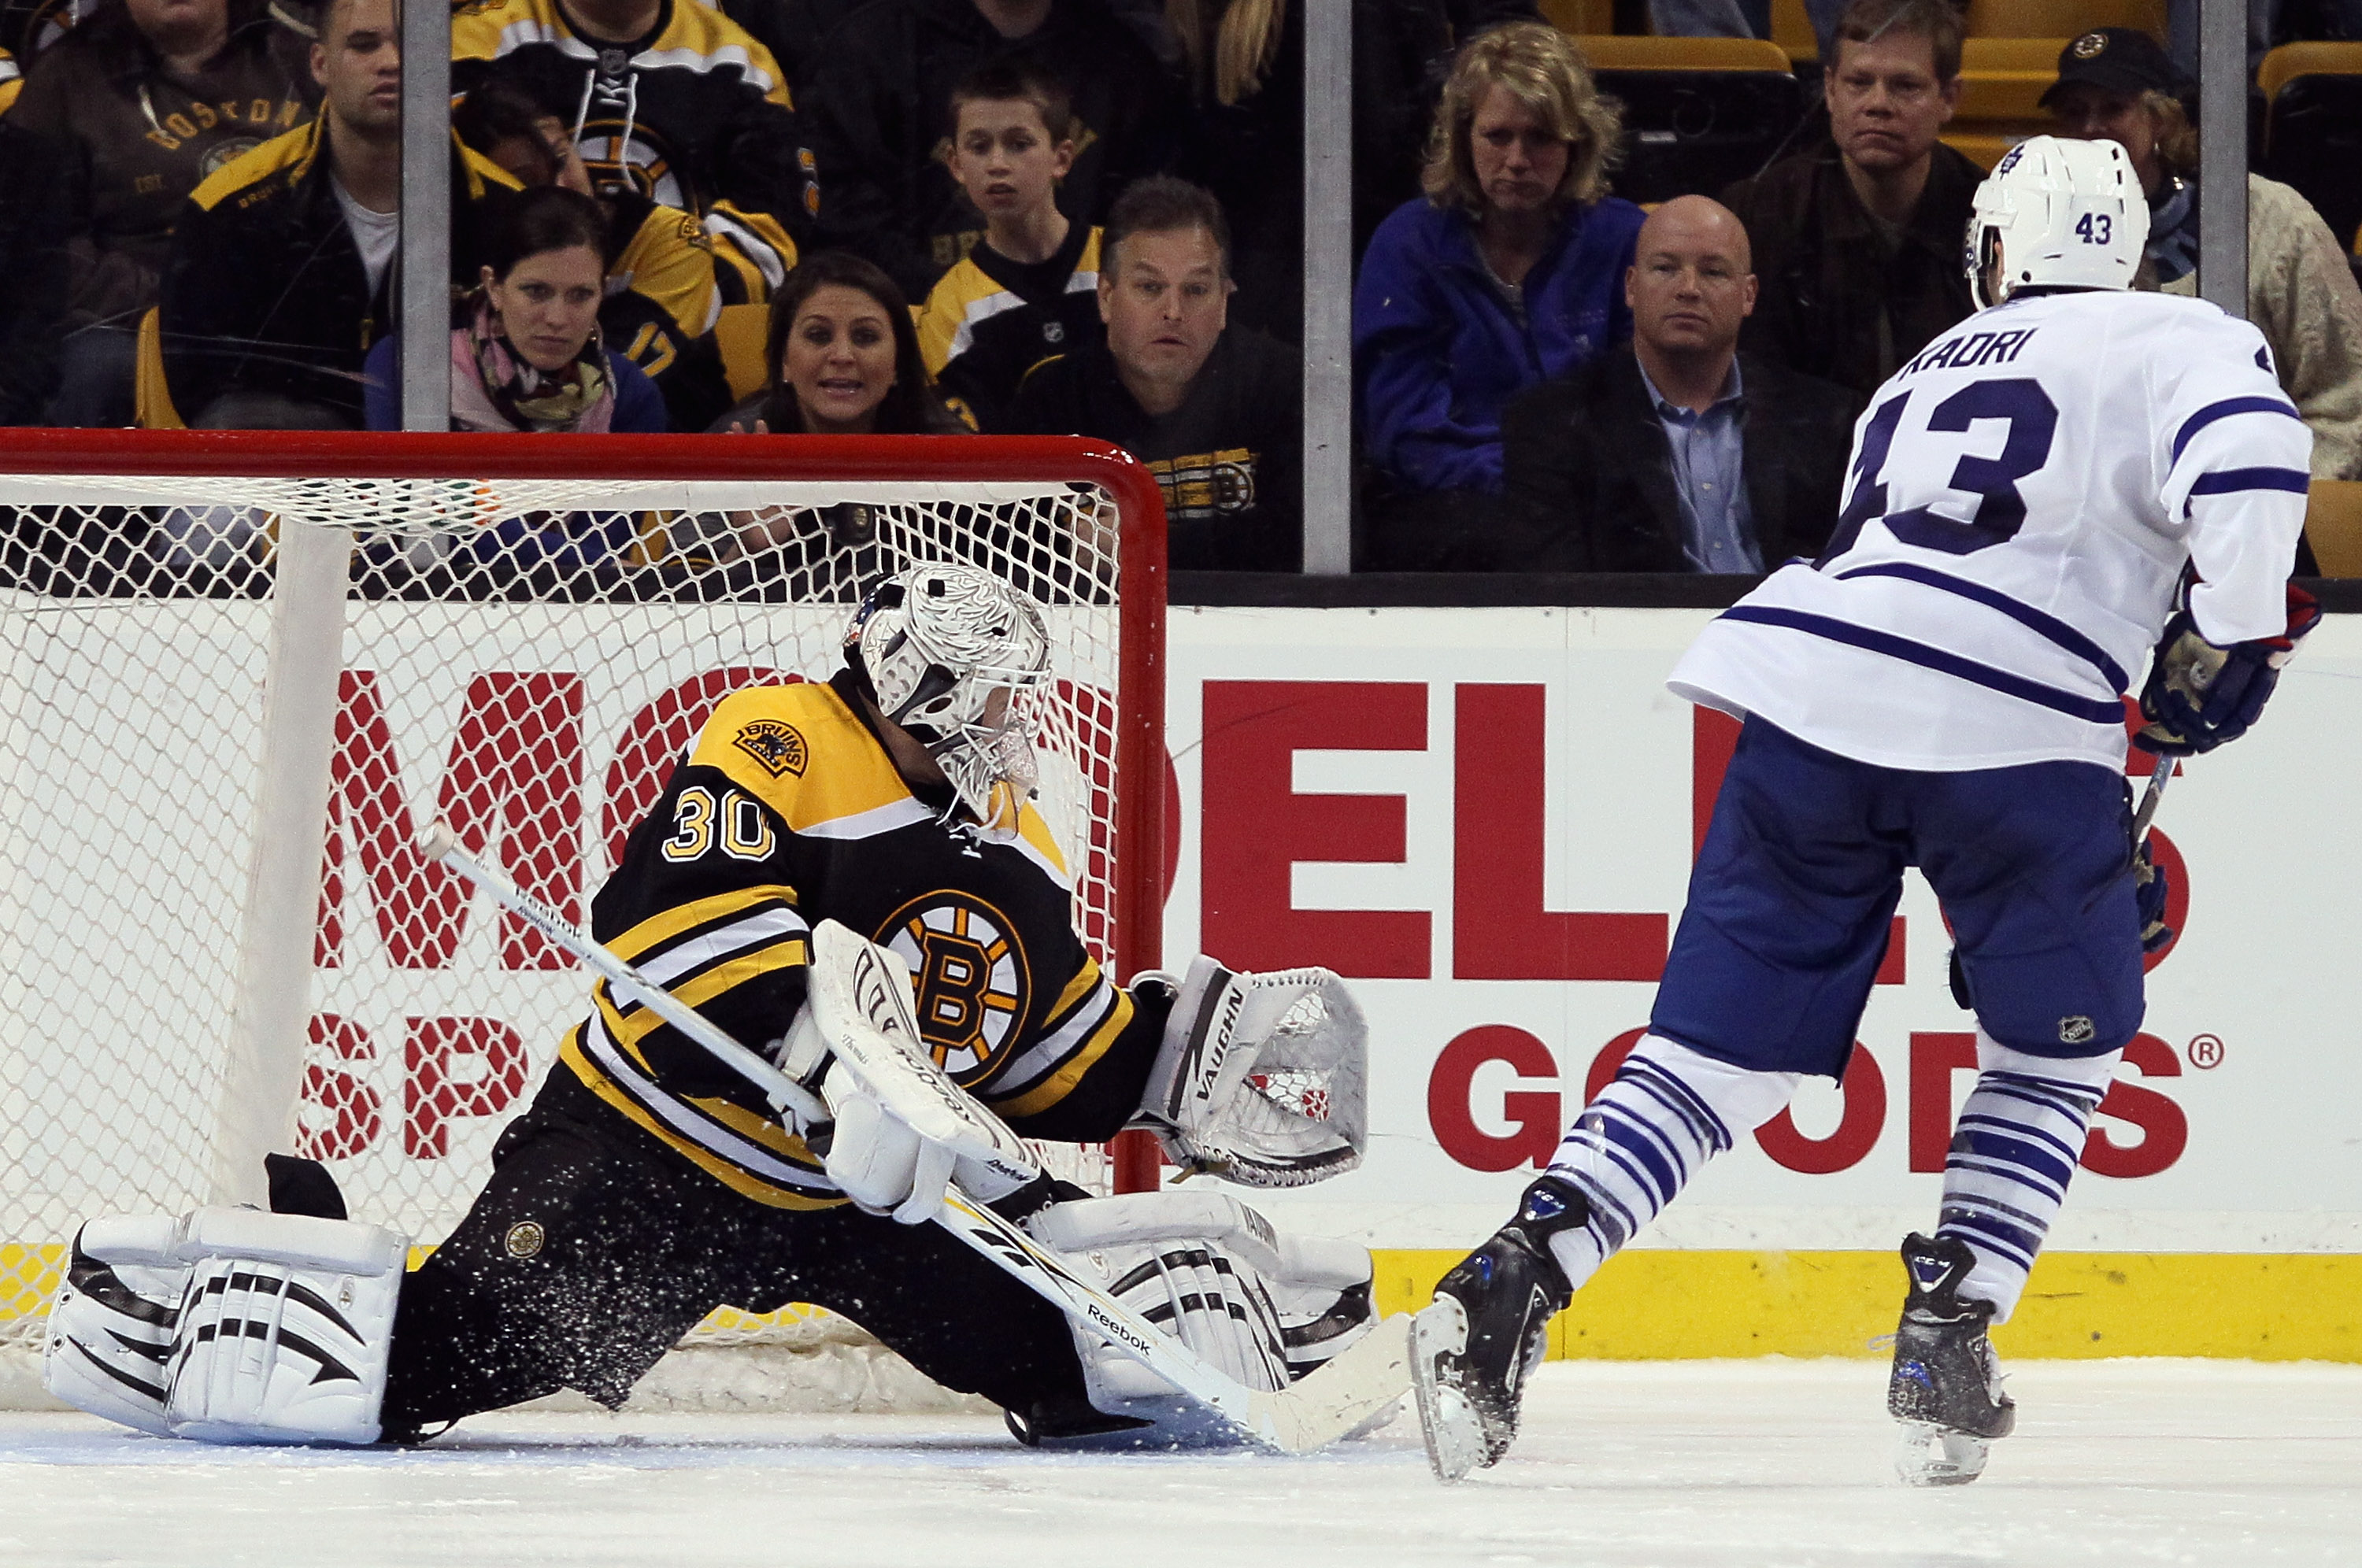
[
  {"x": 1259, "y": 1079},
  {"x": 904, "y": 1131},
  {"x": 2201, "y": 694}
]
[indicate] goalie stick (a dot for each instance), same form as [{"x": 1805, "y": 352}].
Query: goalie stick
[{"x": 1352, "y": 1389}]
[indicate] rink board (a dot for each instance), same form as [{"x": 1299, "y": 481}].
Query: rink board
[
  {"x": 1485, "y": 818},
  {"x": 1358, "y": 773}
]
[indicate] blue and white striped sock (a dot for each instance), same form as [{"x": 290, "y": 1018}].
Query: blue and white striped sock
[
  {"x": 2013, "y": 1154},
  {"x": 1668, "y": 1111}
]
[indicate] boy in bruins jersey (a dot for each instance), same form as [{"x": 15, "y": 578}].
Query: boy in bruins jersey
[{"x": 1031, "y": 286}]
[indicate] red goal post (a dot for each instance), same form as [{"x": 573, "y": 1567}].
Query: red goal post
[{"x": 240, "y": 668}]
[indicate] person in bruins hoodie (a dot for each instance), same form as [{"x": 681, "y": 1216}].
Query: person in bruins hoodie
[
  {"x": 667, "y": 98},
  {"x": 880, "y": 120},
  {"x": 281, "y": 267},
  {"x": 142, "y": 102}
]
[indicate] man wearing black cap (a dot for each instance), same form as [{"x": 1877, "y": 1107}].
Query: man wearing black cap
[{"x": 2117, "y": 85}]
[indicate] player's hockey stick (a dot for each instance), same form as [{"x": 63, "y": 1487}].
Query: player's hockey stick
[
  {"x": 1352, "y": 1389},
  {"x": 2159, "y": 778}
]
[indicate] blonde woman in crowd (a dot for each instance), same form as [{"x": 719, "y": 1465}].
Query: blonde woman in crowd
[{"x": 1509, "y": 270}]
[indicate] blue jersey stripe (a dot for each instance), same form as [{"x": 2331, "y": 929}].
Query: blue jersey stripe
[
  {"x": 2224, "y": 410},
  {"x": 2026, "y": 615},
  {"x": 1985, "y": 675},
  {"x": 2225, "y": 480}
]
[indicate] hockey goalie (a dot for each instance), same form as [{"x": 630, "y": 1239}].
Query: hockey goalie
[{"x": 648, "y": 1183}]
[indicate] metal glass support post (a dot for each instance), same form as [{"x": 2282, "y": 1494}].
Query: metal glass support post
[
  {"x": 1327, "y": 287},
  {"x": 2223, "y": 154},
  {"x": 424, "y": 311}
]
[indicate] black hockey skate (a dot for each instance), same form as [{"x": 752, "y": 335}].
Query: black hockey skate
[
  {"x": 1473, "y": 1351},
  {"x": 1945, "y": 1387}
]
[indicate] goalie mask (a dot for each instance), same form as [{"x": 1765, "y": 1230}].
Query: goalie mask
[
  {"x": 959, "y": 659},
  {"x": 2056, "y": 214}
]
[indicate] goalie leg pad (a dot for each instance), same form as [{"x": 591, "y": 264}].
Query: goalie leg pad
[
  {"x": 111, "y": 1327},
  {"x": 284, "y": 1330},
  {"x": 1263, "y": 1307}
]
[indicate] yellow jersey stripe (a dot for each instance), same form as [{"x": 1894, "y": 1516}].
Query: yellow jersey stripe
[
  {"x": 738, "y": 1179},
  {"x": 684, "y": 918},
  {"x": 1055, "y": 1088},
  {"x": 631, "y": 1027},
  {"x": 1078, "y": 992}
]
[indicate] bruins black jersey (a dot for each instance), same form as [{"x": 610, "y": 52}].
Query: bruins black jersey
[
  {"x": 788, "y": 811},
  {"x": 694, "y": 116},
  {"x": 991, "y": 319}
]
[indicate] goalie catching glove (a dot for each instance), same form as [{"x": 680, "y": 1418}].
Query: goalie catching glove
[
  {"x": 2200, "y": 694},
  {"x": 1261, "y": 1079}
]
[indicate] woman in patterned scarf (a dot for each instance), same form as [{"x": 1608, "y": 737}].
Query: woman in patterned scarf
[{"x": 526, "y": 353}]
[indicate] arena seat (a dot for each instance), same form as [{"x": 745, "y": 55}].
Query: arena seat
[
  {"x": 739, "y": 336},
  {"x": 1698, "y": 113},
  {"x": 2062, "y": 18},
  {"x": 2333, "y": 526},
  {"x": 1621, "y": 53},
  {"x": 2312, "y": 128},
  {"x": 2002, "y": 79},
  {"x": 1792, "y": 30},
  {"x": 1982, "y": 144},
  {"x": 1578, "y": 17}
]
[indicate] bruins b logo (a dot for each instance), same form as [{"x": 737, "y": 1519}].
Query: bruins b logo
[{"x": 970, "y": 975}]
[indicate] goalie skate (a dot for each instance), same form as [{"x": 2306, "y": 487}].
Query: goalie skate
[{"x": 1946, "y": 1386}]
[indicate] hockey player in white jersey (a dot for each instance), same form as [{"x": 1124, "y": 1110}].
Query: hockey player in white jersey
[{"x": 2070, "y": 477}]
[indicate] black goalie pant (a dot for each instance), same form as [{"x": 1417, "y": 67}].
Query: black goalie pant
[{"x": 592, "y": 1250}]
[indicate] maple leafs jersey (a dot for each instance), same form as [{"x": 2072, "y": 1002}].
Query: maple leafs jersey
[
  {"x": 788, "y": 811},
  {"x": 2023, "y": 500}
]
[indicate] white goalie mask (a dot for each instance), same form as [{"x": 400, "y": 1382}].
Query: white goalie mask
[
  {"x": 960, "y": 659},
  {"x": 2056, "y": 214}
]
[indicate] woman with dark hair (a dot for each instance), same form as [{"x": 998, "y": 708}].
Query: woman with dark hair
[
  {"x": 526, "y": 355},
  {"x": 842, "y": 359}
]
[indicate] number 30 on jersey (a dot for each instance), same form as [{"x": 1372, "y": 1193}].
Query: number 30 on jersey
[{"x": 736, "y": 820}]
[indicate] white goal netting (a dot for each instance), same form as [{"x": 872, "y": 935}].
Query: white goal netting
[{"x": 525, "y": 658}]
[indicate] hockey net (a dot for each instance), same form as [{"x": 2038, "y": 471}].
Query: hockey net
[{"x": 519, "y": 637}]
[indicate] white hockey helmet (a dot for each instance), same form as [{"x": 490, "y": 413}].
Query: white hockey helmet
[
  {"x": 2056, "y": 214},
  {"x": 959, "y": 658}
]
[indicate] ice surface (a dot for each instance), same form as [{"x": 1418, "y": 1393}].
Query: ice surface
[{"x": 1621, "y": 1466}]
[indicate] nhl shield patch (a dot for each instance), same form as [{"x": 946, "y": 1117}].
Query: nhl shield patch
[
  {"x": 775, "y": 745},
  {"x": 2076, "y": 1030}
]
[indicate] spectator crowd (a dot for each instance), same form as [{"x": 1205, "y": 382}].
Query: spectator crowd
[{"x": 1068, "y": 216}]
